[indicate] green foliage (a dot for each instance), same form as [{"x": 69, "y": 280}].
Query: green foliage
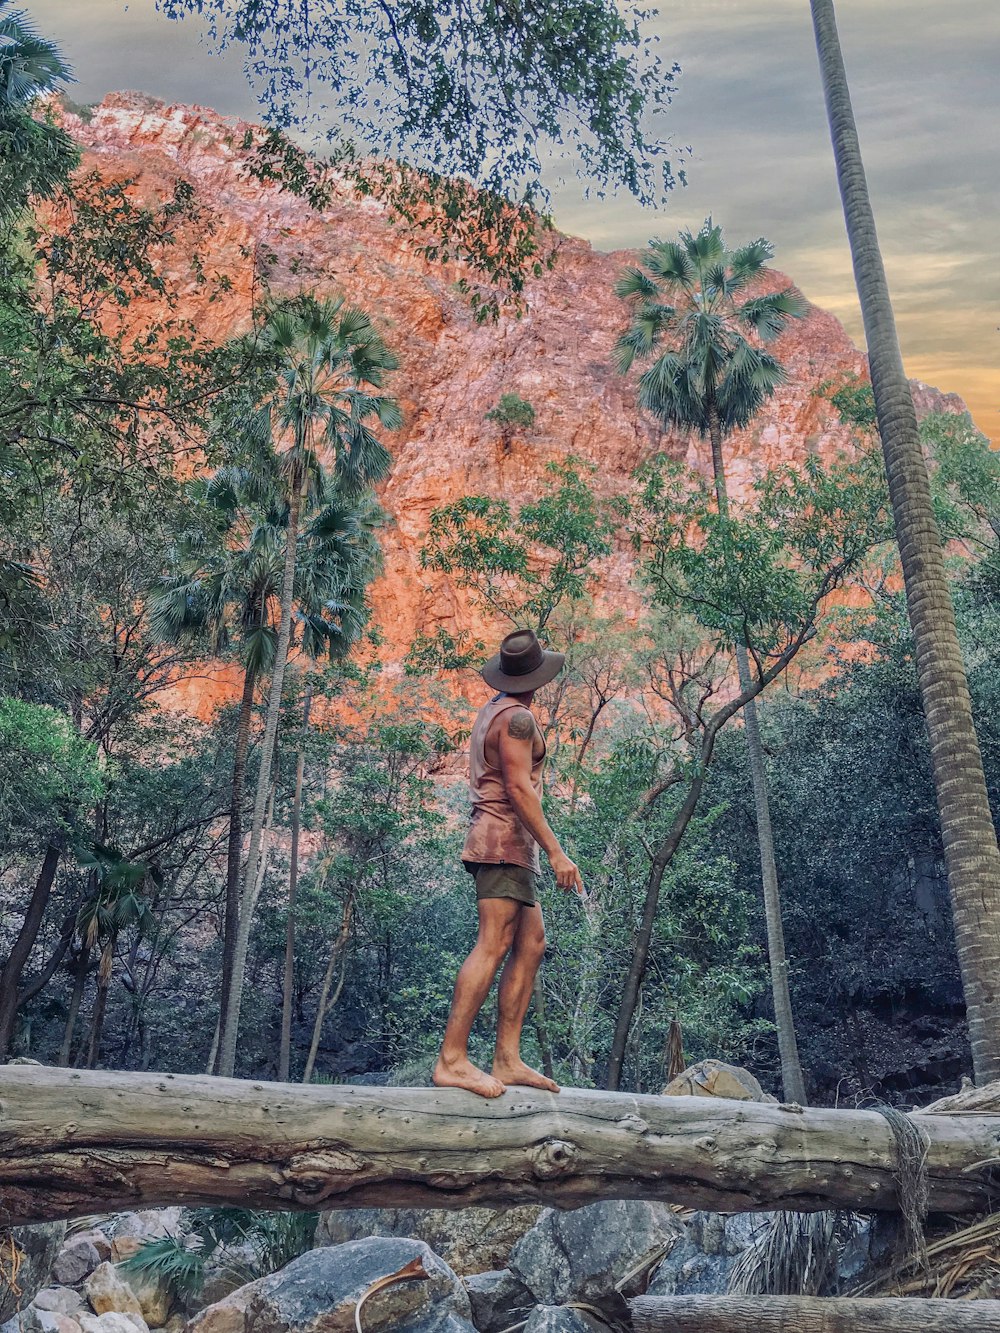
[
  {"x": 274, "y": 1239},
  {"x": 524, "y": 566},
  {"x": 486, "y": 91},
  {"x": 512, "y": 413},
  {"x": 759, "y": 575},
  {"x": 49, "y": 774},
  {"x": 705, "y": 337},
  {"x": 36, "y": 155}
]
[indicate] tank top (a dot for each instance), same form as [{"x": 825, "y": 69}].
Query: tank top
[{"x": 496, "y": 833}]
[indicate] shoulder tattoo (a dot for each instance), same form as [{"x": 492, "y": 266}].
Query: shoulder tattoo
[{"x": 521, "y": 725}]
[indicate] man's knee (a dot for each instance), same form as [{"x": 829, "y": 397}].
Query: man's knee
[{"x": 497, "y": 940}]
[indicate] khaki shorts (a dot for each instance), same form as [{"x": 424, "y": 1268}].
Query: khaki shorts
[{"x": 504, "y": 881}]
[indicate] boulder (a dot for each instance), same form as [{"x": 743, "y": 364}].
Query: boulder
[
  {"x": 26, "y": 1258},
  {"x": 58, "y": 1300},
  {"x": 154, "y": 1297},
  {"x": 702, "y": 1260},
  {"x": 714, "y": 1078},
  {"x": 561, "y": 1319},
  {"x": 318, "y": 1293},
  {"x": 98, "y": 1239},
  {"x": 113, "y": 1322},
  {"x": 469, "y": 1240},
  {"x": 109, "y": 1293},
  {"x": 76, "y": 1260},
  {"x": 498, "y": 1300},
  {"x": 33, "y": 1320},
  {"x": 594, "y": 1252}
]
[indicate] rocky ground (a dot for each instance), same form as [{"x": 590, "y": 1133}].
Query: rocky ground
[{"x": 527, "y": 1269}]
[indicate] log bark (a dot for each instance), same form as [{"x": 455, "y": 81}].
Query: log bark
[
  {"x": 811, "y": 1314},
  {"x": 75, "y": 1142}
]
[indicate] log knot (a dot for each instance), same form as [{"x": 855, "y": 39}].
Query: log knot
[
  {"x": 319, "y": 1173},
  {"x": 551, "y": 1158}
]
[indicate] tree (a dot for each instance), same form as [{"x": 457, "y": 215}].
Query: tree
[
  {"x": 223, "y": 593},
  {"x": 970, "y": 839},
  {"x": 36, "y": 156},
  {"x": 451, "y": 115},
  {"x": 806, "y": 535},
  {"x": 50, "y": 780},
  {"x": 694, "y": 318},
  {"x": 329, "y": 362}
]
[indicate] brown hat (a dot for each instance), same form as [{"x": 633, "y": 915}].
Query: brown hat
[{"x": 522, "y": 664}]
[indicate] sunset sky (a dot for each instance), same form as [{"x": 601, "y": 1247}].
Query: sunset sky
[{"x": 927, "y": 98}]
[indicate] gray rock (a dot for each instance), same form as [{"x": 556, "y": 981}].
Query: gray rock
[
  {"x": 113, "y": 1322},
  {"x": 318, "y": 1293},
  {"x": 33, "y": 1320},
  {"x": 702, "y": 1260},
  {"x": 499, "y": 1299},
  {"x": 37, "y": 1248},
  {"x": 469, "y": 1240},
  {"x": 76, "y": 1260},
  {"x": 559, "y": 1319},
  {"x": 58, "y": 1300},
  {"x": 587, "y": 1254}
]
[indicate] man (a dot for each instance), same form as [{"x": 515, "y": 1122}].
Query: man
[{"x": 506, "y": 757}]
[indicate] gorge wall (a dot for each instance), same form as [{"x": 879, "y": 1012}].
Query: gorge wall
[{"x": 556, "y": 354}]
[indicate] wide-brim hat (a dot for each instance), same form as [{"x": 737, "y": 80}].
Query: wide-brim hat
[{"x": 522, "y": 664}]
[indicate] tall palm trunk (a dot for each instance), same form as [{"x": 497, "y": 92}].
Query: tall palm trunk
[
  {"x": 792, "y": 1080},
  {"x": 288, "y": 986},
  {"x": 252, "y": 875},
  {"x": 234, "y": 850},
  {"x": 970, "y": 842}
]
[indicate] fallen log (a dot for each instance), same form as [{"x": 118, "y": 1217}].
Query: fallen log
[
  {"x": 75, "y": 1142},
  {"x": 810, "y": 1314}
]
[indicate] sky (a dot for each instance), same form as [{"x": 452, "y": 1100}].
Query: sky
[{"x": 750, "y": 107}]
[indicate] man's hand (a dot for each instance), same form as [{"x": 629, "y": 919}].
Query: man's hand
[{"x": 566, "y": 872}]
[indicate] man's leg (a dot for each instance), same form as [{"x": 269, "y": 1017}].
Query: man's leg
[
  {"x": 497, "y": 929},
  {"x": 515, "y": 996}
]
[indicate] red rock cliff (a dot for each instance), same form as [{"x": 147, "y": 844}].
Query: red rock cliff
[{"x": 556, "y": 354}]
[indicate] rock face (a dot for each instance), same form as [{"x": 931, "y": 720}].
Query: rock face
[
  {"x": 453, "y": 371},
  {"x": 470, "y": 1240},
  {"x": 588, "y": 1254},
  {"x": 703, "y": 1258},
  {"x": 319, "y": 1291},
  {"x": 35, "y": 1249}
]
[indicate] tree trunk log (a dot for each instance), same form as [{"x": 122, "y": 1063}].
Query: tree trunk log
[
  {"x": 73, "y": 1143},
  {"x": 811, "y": 1314}
]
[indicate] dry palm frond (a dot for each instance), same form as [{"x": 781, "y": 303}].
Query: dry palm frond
[
  {"x": 963, "y": 1264},
  {"x": 795, "y": 1254}
]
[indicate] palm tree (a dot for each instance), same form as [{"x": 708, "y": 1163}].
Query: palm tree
[
  {"x": 223, "y": 592},
  {"x": 35, "y": 157},
  {"x": 329, "y": 359},
  {"x": 968, "y": 833},
  {"x": 694, "y": 318}
]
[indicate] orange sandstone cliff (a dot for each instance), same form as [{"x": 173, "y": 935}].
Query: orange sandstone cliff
[{"x": 555, "y": 354}]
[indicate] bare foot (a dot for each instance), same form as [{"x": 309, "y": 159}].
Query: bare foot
[
  {"x": 464, "y": 1074},
  {"x": 517, "y": 1074}
]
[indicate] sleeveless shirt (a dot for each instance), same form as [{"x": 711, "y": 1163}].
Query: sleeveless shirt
[{"x": 496, "y": 834}]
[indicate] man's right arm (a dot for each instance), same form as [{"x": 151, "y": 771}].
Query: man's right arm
[{"x": 514, "y": 744}]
